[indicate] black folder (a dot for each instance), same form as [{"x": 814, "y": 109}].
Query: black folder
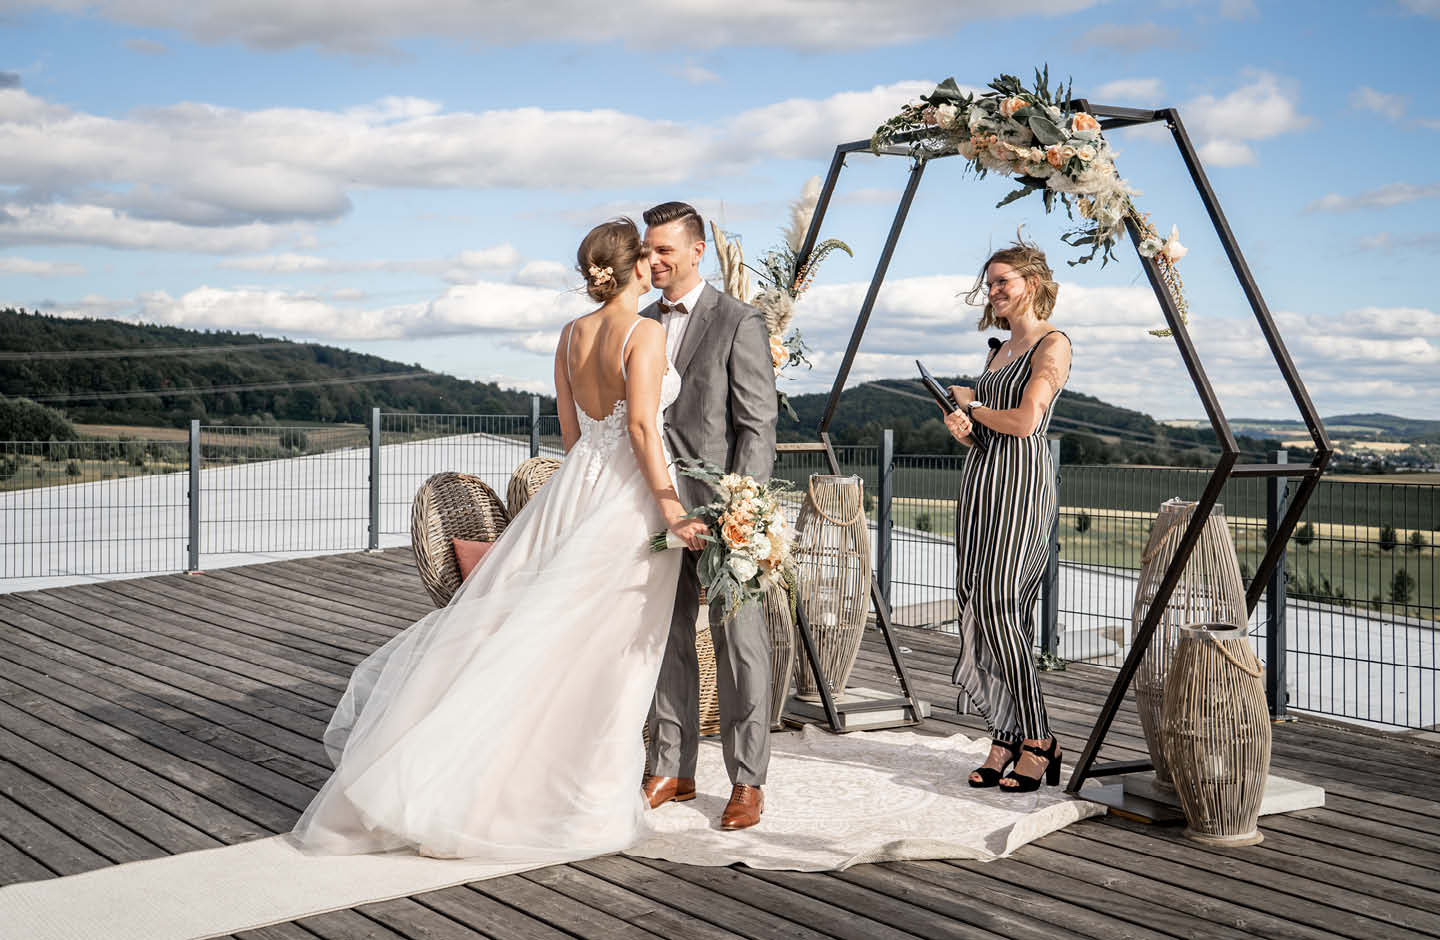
[{"x": 942, "y": 396}]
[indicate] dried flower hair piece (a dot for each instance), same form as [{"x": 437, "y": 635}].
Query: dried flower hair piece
[{"x": 601, "y": 276}]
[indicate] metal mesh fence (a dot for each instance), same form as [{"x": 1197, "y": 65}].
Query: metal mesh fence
[
  {"x": 283, "y": 488},
  {"x": 83, "y": 507},
  {"x": 414, "y": 447},
  {"x": 1361, "y": 571}
]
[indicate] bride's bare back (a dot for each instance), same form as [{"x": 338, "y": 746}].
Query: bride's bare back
[{"x": 595, "y": 353}]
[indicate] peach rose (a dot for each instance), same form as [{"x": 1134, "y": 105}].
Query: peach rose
[
  {"x": 1052, "y": 156},
  {"x": 1009, "y": 106},
  {"x": 736, "y": 535},
  {"x": 1082, "y": 121}
]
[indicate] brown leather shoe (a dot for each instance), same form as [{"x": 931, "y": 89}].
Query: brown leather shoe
[
  {"x": 660, "y": 790},
  {"x": 744, "y": 809}
]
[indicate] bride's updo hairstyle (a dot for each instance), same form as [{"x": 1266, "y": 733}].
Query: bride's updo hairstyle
[
  {"x": 607, "y": 256},
  {"x": 1029, "y": 261}
]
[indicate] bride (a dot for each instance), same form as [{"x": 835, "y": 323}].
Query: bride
[{"x": 506, "y": 725}]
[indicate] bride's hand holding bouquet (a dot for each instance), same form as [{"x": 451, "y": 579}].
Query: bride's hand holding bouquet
[{"x": 747, "y": 538}]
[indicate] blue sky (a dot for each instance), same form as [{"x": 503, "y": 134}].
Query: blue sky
[{"x": 411, "y": 178}]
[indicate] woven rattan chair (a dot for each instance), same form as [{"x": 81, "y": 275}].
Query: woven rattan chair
[
  {"x": 527, "y": 480},
  {"x": 451, "y": 505}
]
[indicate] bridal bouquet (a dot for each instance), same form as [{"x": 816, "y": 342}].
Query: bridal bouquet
[{"x": 747, "y": 547}]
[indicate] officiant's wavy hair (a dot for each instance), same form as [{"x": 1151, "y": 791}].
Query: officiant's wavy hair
[
  {"x": 1027, "y": 259},
  {"x": 611, "y": 248}
]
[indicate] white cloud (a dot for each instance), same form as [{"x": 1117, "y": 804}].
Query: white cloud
[
  {"x": 371, "y": 27},
  {"x": 489, "y": 307},
  {"x": 52, "y": 223},
  {"x": 1264, "y": 108},
  {"x": 1368, "y": 99},
  {"x": 551, "y": 274},
  {"x": 461, "y": 268},
  {"x": 1136, "y": 37},
  {"x": 696, "y": 74},
  {"x": 221, "y": 169},
  {"x": 39, "y": 268},
  {"x": 1393, "y": 194},
  {"x": 1147, "y": 91}
]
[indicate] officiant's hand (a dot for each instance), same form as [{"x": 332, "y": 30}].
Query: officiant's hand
[
  {"x": 961, "y": 394},
  {"x": 959, "y": 425}
]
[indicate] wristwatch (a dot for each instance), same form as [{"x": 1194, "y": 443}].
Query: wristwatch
[{"x": 975, "y": 403}]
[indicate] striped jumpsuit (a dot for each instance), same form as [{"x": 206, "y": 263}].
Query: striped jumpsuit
[{"x": 1002, "y": 526}]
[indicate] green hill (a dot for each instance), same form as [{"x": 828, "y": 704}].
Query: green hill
[
  {"x": 323, "y": 383},
  {"x": 155, "y": 383},
  {"x": 1090, "y": 430}
]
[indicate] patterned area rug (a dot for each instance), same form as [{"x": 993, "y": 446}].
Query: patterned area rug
[{"x": 832, "y": 801}]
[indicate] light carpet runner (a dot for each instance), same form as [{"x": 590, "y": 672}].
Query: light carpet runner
[{"x": 832, "y": 801}]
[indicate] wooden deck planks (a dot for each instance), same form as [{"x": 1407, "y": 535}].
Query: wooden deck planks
[{"x": 155, "y": 716}]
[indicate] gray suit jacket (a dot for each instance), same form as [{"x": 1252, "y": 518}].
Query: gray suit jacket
[{"x": 727, "y": 409}]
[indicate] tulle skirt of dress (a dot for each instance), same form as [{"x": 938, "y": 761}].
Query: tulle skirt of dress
[{"x": 506, "y": 726}]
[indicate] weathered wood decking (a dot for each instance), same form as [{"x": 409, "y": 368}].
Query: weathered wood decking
[{"x": 148, "y": 717}]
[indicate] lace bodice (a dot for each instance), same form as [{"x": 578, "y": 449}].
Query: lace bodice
[{"x": 600, "y": 437}]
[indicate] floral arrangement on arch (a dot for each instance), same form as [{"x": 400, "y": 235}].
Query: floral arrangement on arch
[
  {"x": 1033, "y": 135},
  {"x": 747, "y": 542},
  {"x": 784, "y": 280}
]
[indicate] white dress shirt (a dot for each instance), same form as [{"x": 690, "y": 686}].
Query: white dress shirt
[{"x": 674, "y": 323}]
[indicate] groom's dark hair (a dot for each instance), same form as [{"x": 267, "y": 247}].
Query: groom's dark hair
[{"x": 668, "y": 212}]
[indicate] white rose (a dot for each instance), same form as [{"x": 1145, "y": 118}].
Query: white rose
[
  {"x": 759, "y": 547},
  {"x": 1086, "y": 153},
  {"x": 742, "y": 567},
  {"x": 946, "y": 114}
]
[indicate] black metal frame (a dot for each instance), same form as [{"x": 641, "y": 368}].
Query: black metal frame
[{"x": 1110, "y": 117}]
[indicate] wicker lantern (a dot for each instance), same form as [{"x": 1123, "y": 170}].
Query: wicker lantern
[
  {"x": 1216, "y": 731},
  {"x": 1210, "y": 590},
  {"x": 776, "y": 604},
  {"x": 832, "y": 560}
]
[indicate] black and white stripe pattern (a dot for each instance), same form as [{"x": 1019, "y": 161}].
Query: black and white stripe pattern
[{"x": 1002, "y": 523}]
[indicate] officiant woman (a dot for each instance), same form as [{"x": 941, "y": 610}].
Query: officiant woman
[{"x": 1006, "y": 506}]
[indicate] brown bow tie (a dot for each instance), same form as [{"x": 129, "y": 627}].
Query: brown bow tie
[{"x": 677, "y": 309}]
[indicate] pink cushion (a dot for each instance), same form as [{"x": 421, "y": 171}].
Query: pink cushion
[{"x": 469, "y": 554}]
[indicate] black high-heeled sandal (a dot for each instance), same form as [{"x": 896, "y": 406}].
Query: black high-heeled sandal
[
  {"x": 1025, "y": 784},
  {"x": 989, "y": 776}
]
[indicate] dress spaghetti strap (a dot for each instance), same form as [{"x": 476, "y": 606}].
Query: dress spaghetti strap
[
  {"x": 625, "y": 345},
  {"x": 569, "y": 335}
]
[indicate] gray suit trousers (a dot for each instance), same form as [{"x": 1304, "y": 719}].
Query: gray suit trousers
[{"x": 742, "y": 677}]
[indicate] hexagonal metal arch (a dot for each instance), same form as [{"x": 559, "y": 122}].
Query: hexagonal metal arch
[{"x": 1308, "y": 475}]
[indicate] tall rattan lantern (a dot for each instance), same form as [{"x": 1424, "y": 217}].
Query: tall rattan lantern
[
  {"x": 1216, "y": 730},
  {"x": 832, "y": 560},
  {"x": 1210, "y": 591},
  {"x": 776, "y": 604}
]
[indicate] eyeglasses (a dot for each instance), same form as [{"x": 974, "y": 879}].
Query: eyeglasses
[{"x": 988, "y": 286}]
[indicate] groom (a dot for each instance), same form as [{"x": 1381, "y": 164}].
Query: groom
[{"x": 725, "y": 415}]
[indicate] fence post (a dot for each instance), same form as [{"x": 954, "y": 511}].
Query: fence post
[
  {"x": 534, "y": 425},
  {"x": 192, "y": 562},
  {"x": 883, "y": 493},
  {"x": 1049, "y": 588},
  {"x": 374, "y": 540},
  {"x": 1275, "y": 633}
]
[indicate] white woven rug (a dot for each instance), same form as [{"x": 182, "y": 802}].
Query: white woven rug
[{"x": 831, "y": 802}]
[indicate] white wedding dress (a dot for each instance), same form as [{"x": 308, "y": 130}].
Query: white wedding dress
[{"x": 506, "y": 726}]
